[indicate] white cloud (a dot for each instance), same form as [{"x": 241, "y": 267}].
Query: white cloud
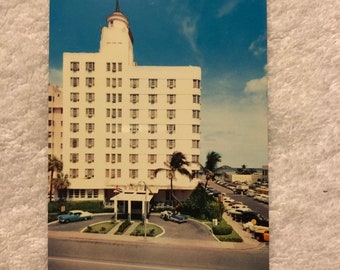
[
  {"x": 258, "y": 85},
  {"x": 235, "y": 127},
  {"x": 258, "y": 46},
  {"x": 227, "y": 8},
  {"x": 56, "y": 77},
  {"x": 188, "y": 28}
]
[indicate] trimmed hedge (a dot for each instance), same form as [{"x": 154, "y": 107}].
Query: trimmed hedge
[
  {"x": 123, "y": 227},
  {"x": 90, "y": 206},
  {"x": 222, "y": 229}
]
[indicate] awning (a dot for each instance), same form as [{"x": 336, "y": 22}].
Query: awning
[{"x": 139, "y": 197}]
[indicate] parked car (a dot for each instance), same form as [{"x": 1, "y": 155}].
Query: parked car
[
  {"x": 251, "y": 193},
  {"x": 230, "y": 209},
  {"x": 262, "y": 198},
  {"x": 74, "y": 215},
  {"x": 262, "y": 235},
  {"x": 168, "y": 215},
  {"x": 252, "y": 227}
]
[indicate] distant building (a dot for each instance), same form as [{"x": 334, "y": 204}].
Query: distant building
[{"x": 121, "y": 121}]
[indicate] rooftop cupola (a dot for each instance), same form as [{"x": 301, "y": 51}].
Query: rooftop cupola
[{"x": 117, "y": 17}]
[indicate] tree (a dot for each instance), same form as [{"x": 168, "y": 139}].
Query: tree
[
  {"x": 245, "y": 170},
  {"x": 61, "y": 183},
  {"x": 177, "y": 163},
  {"x": 210, "y": 166},
  {"x": 54, "y": 164}
]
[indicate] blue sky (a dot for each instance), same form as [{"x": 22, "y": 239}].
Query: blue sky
[{"x": 226, "y": 38}]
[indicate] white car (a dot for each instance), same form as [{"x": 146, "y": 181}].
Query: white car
[
  {"x": 252, "y": 227},
  {"x": 233, "y": 206}
]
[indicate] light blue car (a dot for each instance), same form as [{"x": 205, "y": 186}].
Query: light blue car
[{"x": 75, "y": 215}]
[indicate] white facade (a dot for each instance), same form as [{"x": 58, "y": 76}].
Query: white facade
[{"x": 121, "y": 121}]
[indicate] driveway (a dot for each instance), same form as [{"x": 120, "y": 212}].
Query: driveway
[{"x": 188, "y": 230}]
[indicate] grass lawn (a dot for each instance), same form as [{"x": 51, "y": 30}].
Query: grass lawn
[
  {"x": 151, "y": 230},
  {"x": 232, "y": 237},
  {"x": 103, "y": 227}
]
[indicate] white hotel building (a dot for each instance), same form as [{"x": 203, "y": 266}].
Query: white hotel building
[{"x": 122, "y": 121}]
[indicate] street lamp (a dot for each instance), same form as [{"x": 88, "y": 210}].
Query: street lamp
[{"x": 145, "y": 206}]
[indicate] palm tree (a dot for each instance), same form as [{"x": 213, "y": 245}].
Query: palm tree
[
  {"x": 54, "y": 164},
  {"x": 61, "y": 183},
  {"x": 177, "y": 163},
  {"x": 210, "y": 166}
]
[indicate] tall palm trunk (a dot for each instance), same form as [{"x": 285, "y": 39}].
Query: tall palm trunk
[
  {"x": 51, "y": 186},
  {"x": 171, "y": 191}
]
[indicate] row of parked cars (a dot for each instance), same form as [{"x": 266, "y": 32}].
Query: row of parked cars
[{"x": 252, "y": 221}]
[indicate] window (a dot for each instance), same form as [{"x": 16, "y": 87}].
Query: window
[
  {"x": 171, "y": 83},
  {"x": 108, "y": 97},
  {"x": 89, "y": 81},
  {"x": 196, "y": 99},
  {"x": 119, "y": 157},
  {"x": 152, "y": 98},
  {"x": 90, "y": 97},
  {"x": 74, "y": 157},
  {"x": 195, "y": 129},
  {"x": 74, "y": 142},
  {"x": 76, "y": 193},
  {"x": 74, "y": 96},
  {"x": 74, "y": 127},
  {"x": 89, "y": 66},
  {"x": 114, "y": 67},
  {"x": 89, "y": 158},
  {"x": 113, "y": 143},
  {"x": 171, "y": 99},
  {"x": 171, "y": 114},
  {"x": 133, "y": 158},
  {"x": 133, "y": 143},
  {"x": 152, "y": 83},
  {"x": 195, "y": 158},
  {"x": 170, "y": 144},
  {"x": 89, "y": 193},
  {"x": 95, "y": 193},
  {"x": 89, "y": 127},
  {"x": 195, "y": 143},
  {"x": 113, "y": 158},
  {"x": 120, "y": 67},
  {"x": 89, "y": 142},
  {"x": 119, "y": 142},
  {"x": 168, "y": 158},
  {"x": 114, "y": 82},
  {"x": 134, "y": 113},
  {"x": 74, "y": 81},
  {"x": 73, "y": 173},
  {"x": 152, "y": 128},
  {"x": 113, "y": 173},
  {"x": 107, "y": 142},
  {"x": 119, "y": 112},
  {"x": 50, "y": 123},
  {"x": 133, "y": 173},
  {"x": 113, "y": 128},
  {"x": 120, "y": 82},
  {"x": 114, "y": 98},
  {"x": 134, "y": 98},
  {"x": 171, "y": 129},
  {"x": 119, "y": 129},
  {"x": 152, "y": 143},
  {"x": 134, "y": 83},
  {"x": 89, "y": 173},
  {"x": 74, "y": 112},
  {"x": 152, "y": 158},
  {"x": 74, "y": 66},
  {"x": 151, "y": 174},
  {"x": 196, "y": 114},
  {"x": 134, "y": 128},
  {"x": 108, "y": 127},
  {"x": 89, "y": 112},
  {"x": 50, "y": 98},
  {"x": 195, "y": 173},
  {"x": 196, "y": 83},
  {"x": 108, "y": 66},
  {"x": 153, "y": 114},
  {"x": 50, "y": 134},
  {"x": 108, "y": 82}
]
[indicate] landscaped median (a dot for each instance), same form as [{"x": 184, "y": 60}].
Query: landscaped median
[
  {"x": 122, "y": 228},
  {"x": 224, "y": 232}
]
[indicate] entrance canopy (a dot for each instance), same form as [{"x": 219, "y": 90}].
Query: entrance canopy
[{"x": 129, "y": 196}]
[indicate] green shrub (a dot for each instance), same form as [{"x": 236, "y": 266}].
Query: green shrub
[
  {"x": 222, "y": 229},
  {"x": 90, "y": 206},
  {"x": 122, "y": 228}
]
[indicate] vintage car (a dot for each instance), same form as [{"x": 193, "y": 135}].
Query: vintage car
[
  {"x": 262, "y": 235},
  {"x": 74, "y": 215},
  {"x": 179, "y": 218}
]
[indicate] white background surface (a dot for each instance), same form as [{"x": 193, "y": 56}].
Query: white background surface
[{"x": 304, "y": 143}]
